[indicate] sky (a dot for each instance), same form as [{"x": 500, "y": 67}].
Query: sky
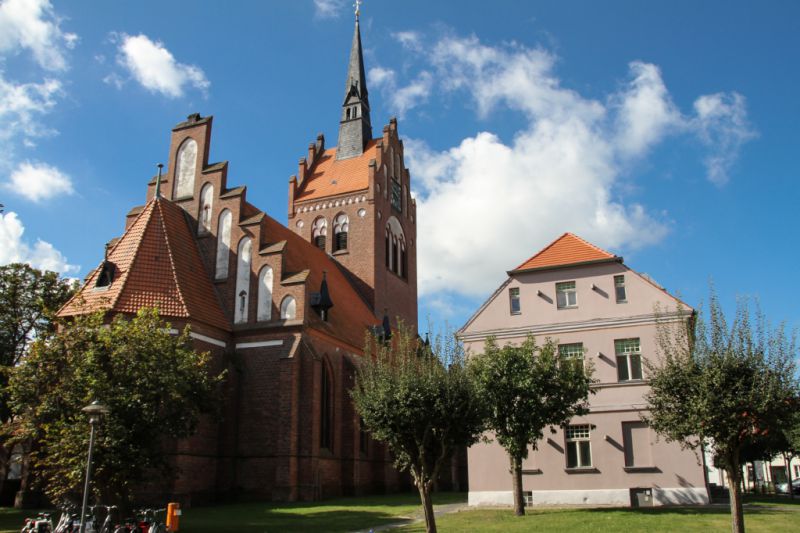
[{"x": 664, "y": 132}]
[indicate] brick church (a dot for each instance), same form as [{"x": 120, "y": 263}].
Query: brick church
[{"x": 284, "y": 309}]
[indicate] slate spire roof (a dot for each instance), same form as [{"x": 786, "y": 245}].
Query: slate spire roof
[
  {"x": 156, "y": 264},
  {"x": 567, "y": 250},
  {"x": 355, "y": 127}
]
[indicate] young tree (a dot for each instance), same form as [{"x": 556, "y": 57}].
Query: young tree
[
  {"x": 421, "y": 402},
  {"x": 720, "y": 386},
  {"x": 525, "y": 389},
  {"x": 155, "y": 385},
  {"x": 28, "y": 300},
  {"x": 790, "y": 433}
]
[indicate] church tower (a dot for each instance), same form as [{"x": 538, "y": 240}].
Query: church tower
[{"x": 354, "y": 202}]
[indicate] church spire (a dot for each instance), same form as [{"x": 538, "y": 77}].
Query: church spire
[{"x": 355, "y": 128}]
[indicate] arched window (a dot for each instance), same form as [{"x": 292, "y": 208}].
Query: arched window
[
  {"x": 341, "y": 225},
  {"x": 395, "y": 248},
  {"x": 186, "y": 164},
  {"x": 243, "y": 281},
  {"x": 319, "y": 232},
  {"x": 348, "y": 113},
  {"x": 206, "y": 204},
  {"x": 288, "y": 308},
  {"x": 223, "y": 244},
  {"x": 265, "y": 294},
  {"x": 326, "y": 409}
]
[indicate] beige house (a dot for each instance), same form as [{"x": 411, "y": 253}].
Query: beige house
[{"x": 598, "y": 309}]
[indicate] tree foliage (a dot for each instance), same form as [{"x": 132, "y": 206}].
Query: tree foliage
[
  {"x": 155, "y": 385},
  {"x": 525, "y": 389},
  {"x": 421, "y": 402},
  {"x": 29, "y": 298},
  {"x": 723, "y": 386}
]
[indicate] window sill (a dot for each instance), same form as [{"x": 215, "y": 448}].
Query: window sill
[
  {"x": 532, "y": 472},
  {"x": 641, "y": 469},
  {"x": 516, "y": 313},
  {"x": 567, "y": 308},
  {"x": 343, "y": 251},
  {"x": 582, "y": 470}
]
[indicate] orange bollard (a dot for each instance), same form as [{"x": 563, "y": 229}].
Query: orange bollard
[{"x": 173, "y": 514}]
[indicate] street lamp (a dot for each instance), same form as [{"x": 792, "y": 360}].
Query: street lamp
[{"x": 95, "y": 411}]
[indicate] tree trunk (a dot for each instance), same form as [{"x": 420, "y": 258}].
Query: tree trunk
[
  {"x": 516, "y": 474},
  {"x": 787, "y": 460},
  {"x": 737, "y": 513},
  {"x": 427, "y": 506}
]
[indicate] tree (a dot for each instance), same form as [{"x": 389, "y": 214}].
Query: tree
[
  {"x": 155, "y": 385},
  {"x": 721, "y": 387},
  {"x": 421, "y": 402},
  {"x": 525, "y": 389},
  {"x": 790, "y": 433},
  {"x": 29, "y": 299}
]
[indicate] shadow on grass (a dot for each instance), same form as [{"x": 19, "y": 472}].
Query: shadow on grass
[{"x": 283, "y": 520}]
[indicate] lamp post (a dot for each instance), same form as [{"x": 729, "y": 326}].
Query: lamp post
[{"x": 95, "y": 410}]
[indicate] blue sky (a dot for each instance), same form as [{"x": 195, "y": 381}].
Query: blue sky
[{"x": 664, "y": 132}]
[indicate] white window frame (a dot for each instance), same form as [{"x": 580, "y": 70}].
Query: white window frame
[
  {"x": 579, "y": 437},
  {"x": 626, "y": 350},
  {"x": 566, "y": 291},
  {"x": 572, "y": 351},
  {"x": 513, "y": 296},
  {"x": 619, "y": 283}
]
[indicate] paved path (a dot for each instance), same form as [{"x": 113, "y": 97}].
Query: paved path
[{"x": 419, "y": 516}]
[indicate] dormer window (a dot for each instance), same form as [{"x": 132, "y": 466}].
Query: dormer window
[{"x": 106, "y": 277}]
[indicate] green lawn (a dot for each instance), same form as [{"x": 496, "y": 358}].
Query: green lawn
[
  {"x": 614, "y": 520},
  {"x": 763, "y": 513}
]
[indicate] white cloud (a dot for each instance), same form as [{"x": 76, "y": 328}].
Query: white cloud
[
  {"x": 156, "y": 69},
  {"x": 485, "y": 205},
  {"x": 33, "y": 25},
  {"x": 328, "y": 8},
  {"x": 13, "y": 249},
  {"x": 401, "y": 99},
  {"x": 410, "y": 40},
  {"x": 723, "y": 127},
  {"x": 39, "y": 181},
  {"x": 23, "y": 104}
]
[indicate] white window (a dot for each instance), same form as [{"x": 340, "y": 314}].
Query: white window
[
  {"x": 571, "y": 352},
  {"x": 619, "y": 289},
  {"x": 579, "y": 448},
  {"x": 629, "y": 359},
  {"x": 513, "y": 297},
  {"x": 288, "y": 308},
  {"x": 566, "y": 295},
  {"x": 243, "y": 281},
  {"x": 206, "y": 205},
  {"x": 341, "y": 226},
  {"x": 223, "y": 244},
  {"x": 265, "y": 294},
  {"x": 319, "y": 232},
  {"x": 185, "y": 169}
]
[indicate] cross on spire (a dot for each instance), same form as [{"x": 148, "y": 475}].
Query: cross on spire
[{"x": 357, "y": 5}]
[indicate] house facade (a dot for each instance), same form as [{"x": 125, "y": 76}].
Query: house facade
[
  {"x": 285, "y": 310},
  {"x": 600, "y": 310}
]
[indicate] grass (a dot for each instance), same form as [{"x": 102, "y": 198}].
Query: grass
[
  {"x": 762, "y": 514},
  {"x": 610, "y": 520},
  {"x": 345, "y": 514}
]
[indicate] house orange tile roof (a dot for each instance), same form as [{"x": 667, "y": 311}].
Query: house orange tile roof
[
  {"x": 569, "y": 249},
  {"x": 330, "y": 177},
  {"x": 350, "y": 316},
  {"x": 156, "y": 264}
]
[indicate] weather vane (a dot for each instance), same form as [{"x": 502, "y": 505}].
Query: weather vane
[{"x": 357, "y": 5}]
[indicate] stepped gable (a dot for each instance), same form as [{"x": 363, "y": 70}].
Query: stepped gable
[
  {"x": 350, "y": 316},
  {"x": 567, "y": 250},
  {"x": 331, "y": 176},
  {"x": 156, "y": 263}
]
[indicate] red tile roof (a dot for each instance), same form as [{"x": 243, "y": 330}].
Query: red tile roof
[
  {"x": 157, "y": 263},
  {"x": 350, "y": 316},
  {"x": 569, "y": 249},
  {"x": 330, "y": 177}
]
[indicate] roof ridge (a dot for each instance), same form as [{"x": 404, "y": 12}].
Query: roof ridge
[
  {"x": 565, "y": 242},
  {"x": 175, "y": 276},
  {"x": 584, "y": 241},
  {"x": 543, "y": 250}
]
